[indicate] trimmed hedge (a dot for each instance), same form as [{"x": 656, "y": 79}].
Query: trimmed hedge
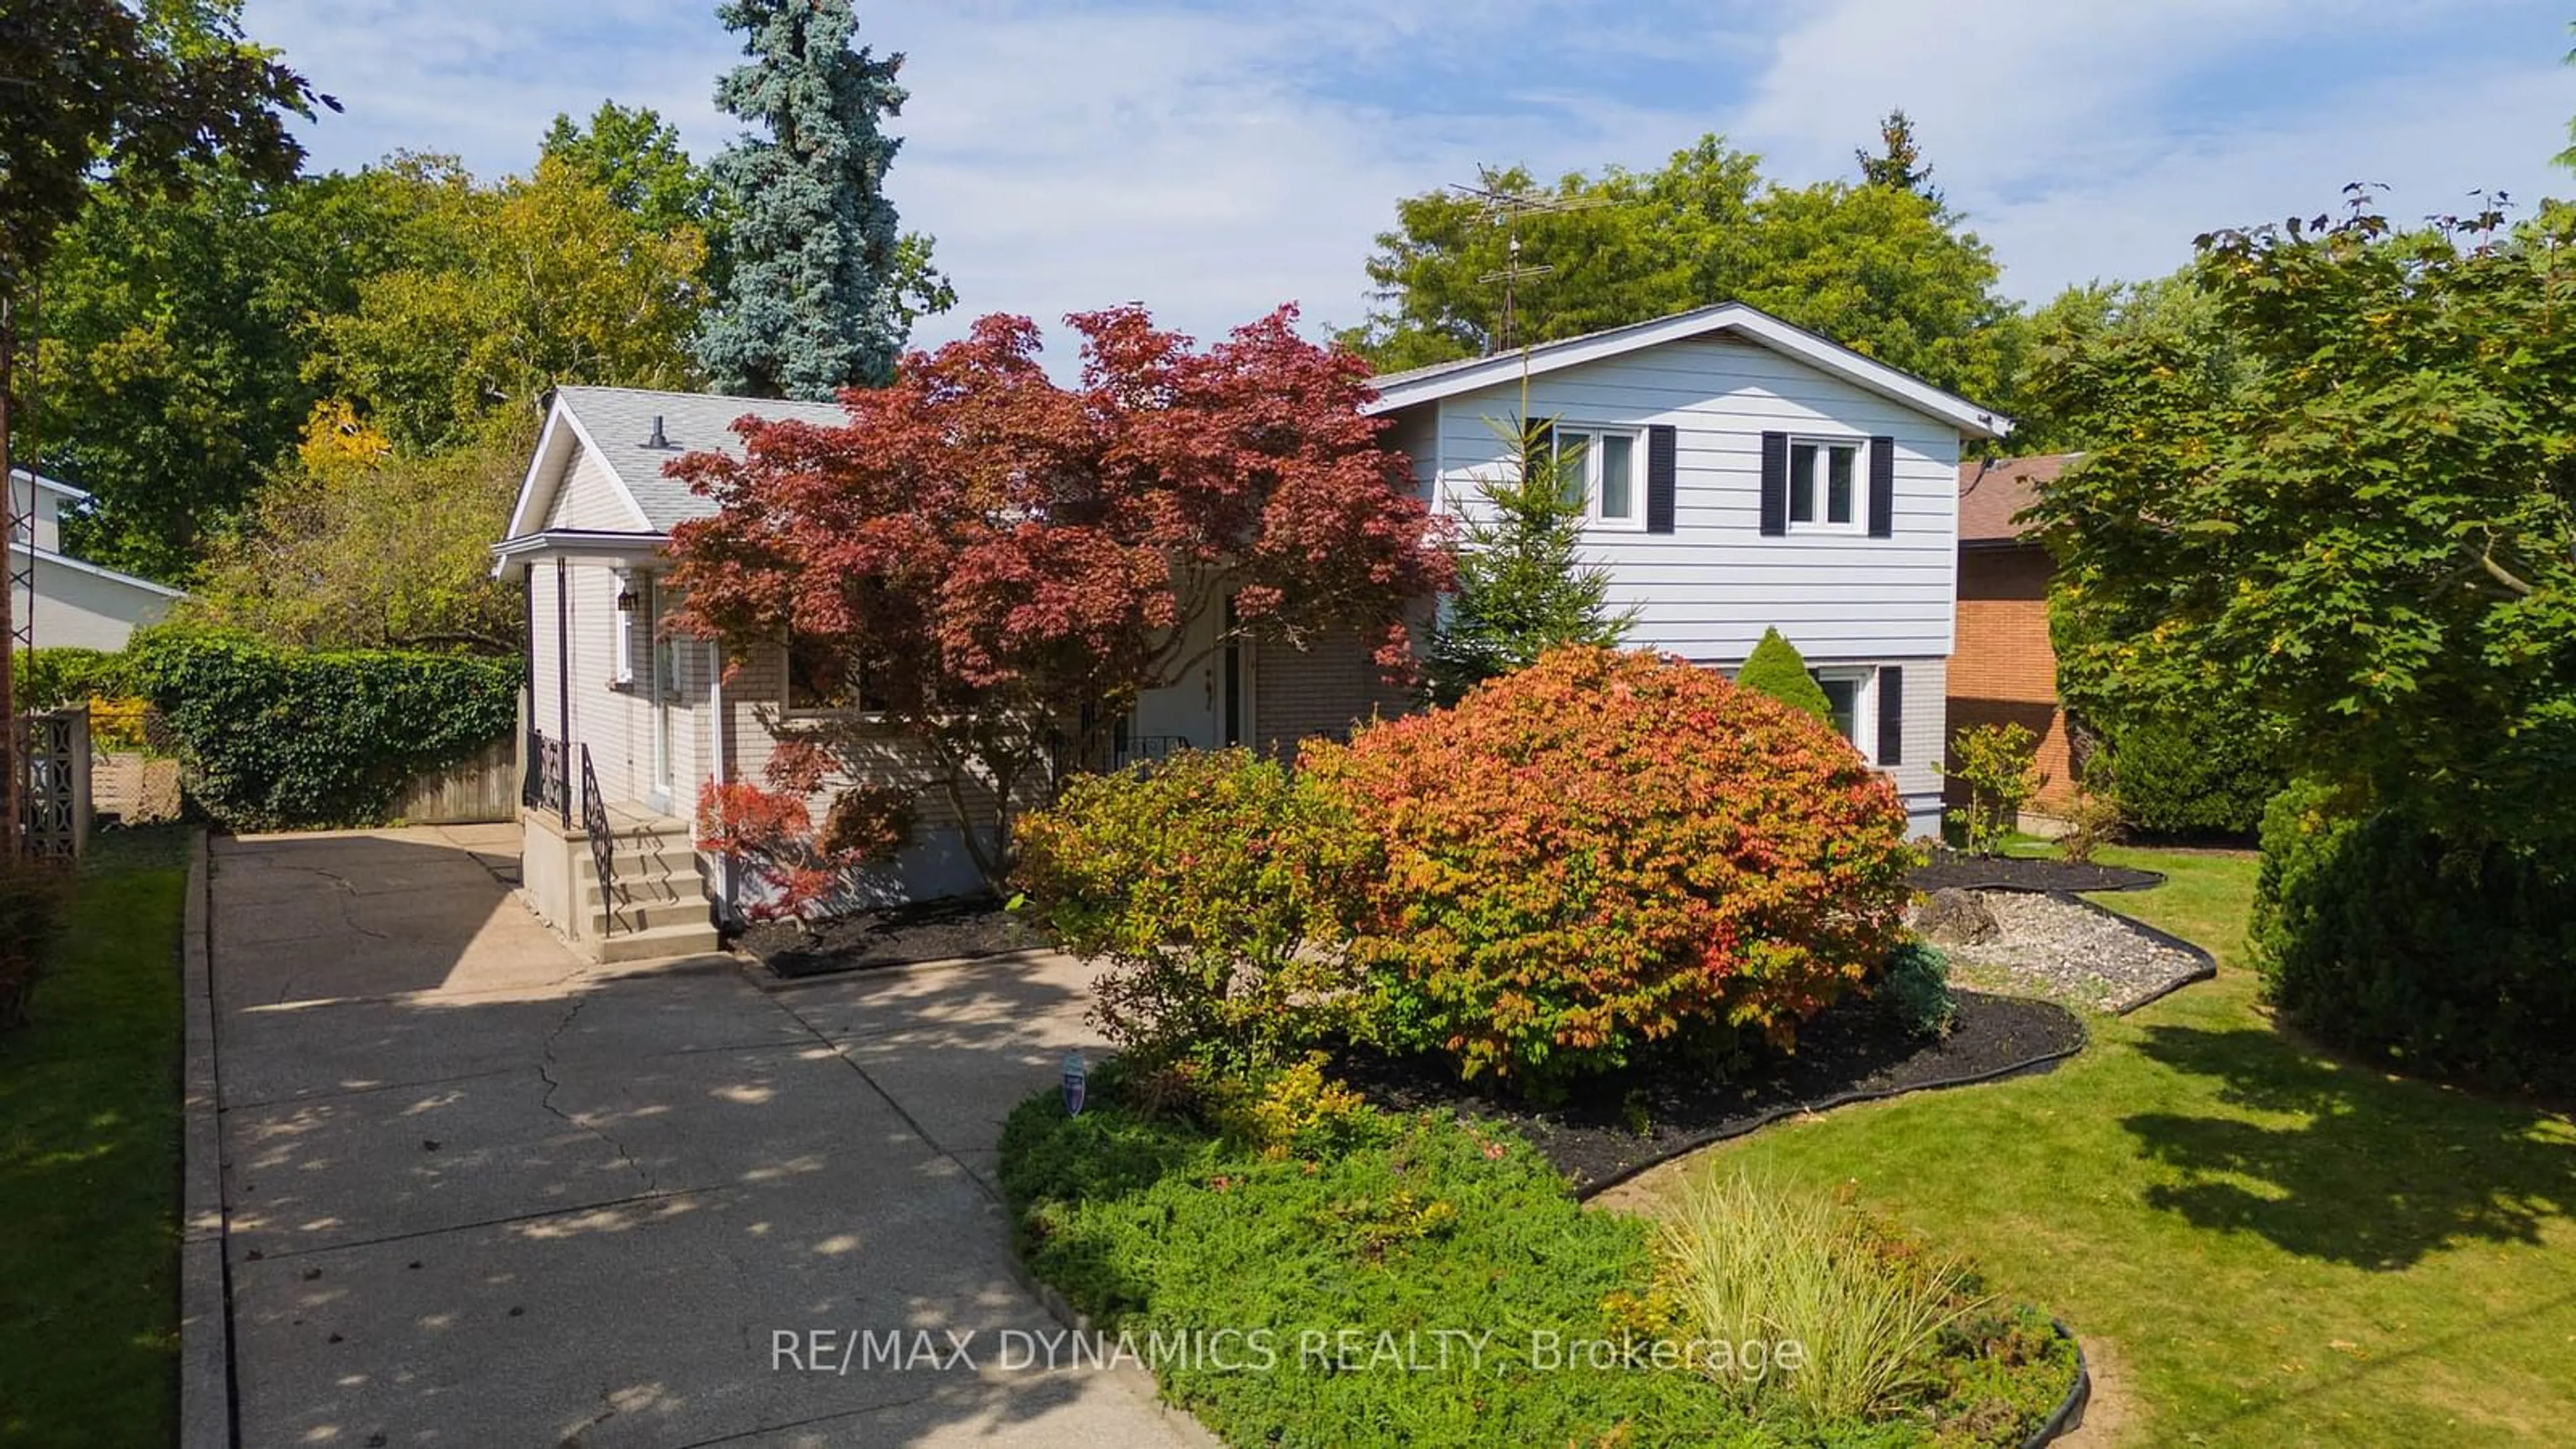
[
  {"x": 2211, "y": 773},
  {"x": 56, "y": 678},
  {"x": 2436, "y": 957},
  {"x": 285, "y": 739},
  {"x": 1776, "y": 668},
  {"x": 1609, "y": 850}
]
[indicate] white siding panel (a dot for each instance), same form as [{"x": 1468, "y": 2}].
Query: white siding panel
[
  {"x": 588, "y": 497},
  {"x": 1708, "y": 589},
  {"x": 74, "y": 608}
]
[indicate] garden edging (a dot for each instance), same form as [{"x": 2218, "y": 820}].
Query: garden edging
[
  {"x": 2037, "y": 1063},
  {"x": 2070, "y": 1410},
  {"x": 2162, "y": 937}
]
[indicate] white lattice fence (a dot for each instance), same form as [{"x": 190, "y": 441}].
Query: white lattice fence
[{"x": 56, "y": 800}]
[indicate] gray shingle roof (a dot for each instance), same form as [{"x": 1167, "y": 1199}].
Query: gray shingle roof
[{"x": 619, "y": 420}]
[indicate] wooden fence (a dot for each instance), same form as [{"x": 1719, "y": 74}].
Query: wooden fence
[{"x": 485, "y": 787}]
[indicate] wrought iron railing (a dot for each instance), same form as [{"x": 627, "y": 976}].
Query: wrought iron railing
[
  {"x": 543, "y": 786},
  {"x": 603, "y": 844},
  {"x": 1136, "y": 749}
]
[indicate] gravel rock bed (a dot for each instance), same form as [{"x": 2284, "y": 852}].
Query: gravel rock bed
[{"x": 2080, "y": 954}]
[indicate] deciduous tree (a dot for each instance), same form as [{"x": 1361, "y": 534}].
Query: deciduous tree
[
  {"x": 1883, "y": 269},
  {"x": 2374, "y": 532},
  {"x": 537, "y": 282},
  {"x": 1007, "y": 563}
]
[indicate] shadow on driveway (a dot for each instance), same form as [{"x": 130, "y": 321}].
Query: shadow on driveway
[{"x": 479, "y": 1193}]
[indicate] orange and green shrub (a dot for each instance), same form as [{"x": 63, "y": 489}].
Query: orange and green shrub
[{"x": 1610, "y": 850}]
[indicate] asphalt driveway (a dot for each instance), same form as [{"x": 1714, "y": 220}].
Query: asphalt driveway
[{"x": 478, "y": 1193}]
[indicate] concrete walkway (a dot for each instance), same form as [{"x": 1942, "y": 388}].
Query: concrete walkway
[{"x": 480, "y": 1194}]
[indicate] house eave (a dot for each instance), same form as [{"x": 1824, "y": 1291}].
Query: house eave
[
  {"x": 100, "y": 571},
  {"x": 1429, "y": 384},
  {"x": 511, "y": 556}
]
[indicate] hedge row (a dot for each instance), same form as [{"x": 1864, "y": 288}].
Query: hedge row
[
  {"x": 2433, "y": 956},
  {"x": 283, "y": 739},
  {"x": 57, "y": 678}
]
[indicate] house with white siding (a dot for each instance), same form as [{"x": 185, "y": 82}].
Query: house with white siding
[
  {"x": 1740, "y": 474},
  {"x": 65, "y": 602}
]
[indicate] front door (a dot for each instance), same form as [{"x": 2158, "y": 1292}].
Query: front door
[{"x": 1190, "y": 713}]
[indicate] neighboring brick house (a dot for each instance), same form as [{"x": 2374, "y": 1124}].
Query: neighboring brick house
[{"x": 2003, "y": 670}]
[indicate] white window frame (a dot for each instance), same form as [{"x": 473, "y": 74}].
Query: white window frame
[
  {"x": 1864, "y": 679},
  {"x": 791, "y": 712},
  {"x": 1858, "y": 523},
  {"x": 624, "y": 655},
  {"x": 1592, "y": 434}
]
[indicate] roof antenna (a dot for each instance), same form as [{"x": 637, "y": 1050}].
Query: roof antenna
[{"x": 657, "y": 440}]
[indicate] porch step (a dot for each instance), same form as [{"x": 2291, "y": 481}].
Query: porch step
[
  {"x": 638, "y": 914},
  {"x": 656, "y": 942}
]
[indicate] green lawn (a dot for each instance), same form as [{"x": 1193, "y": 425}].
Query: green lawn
[
  {"x": 2269, "y": 1247},
  {"x": 89, "y": 1164}
]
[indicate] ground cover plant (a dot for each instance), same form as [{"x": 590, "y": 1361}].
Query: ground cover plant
[
  {"x": 1309, "y": 1213},
  {"x": 2260, "y": 1242},
  {"x": 89, "y": 1162}
]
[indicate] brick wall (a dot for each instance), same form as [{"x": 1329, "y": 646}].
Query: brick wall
[
  {"x": 1324, "y": 689},
  {"x": 2003, "y": 670}
]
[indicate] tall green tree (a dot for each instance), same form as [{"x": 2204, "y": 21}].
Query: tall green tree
[
  {"x": 2372, "y": 528},
  {"x": 814, "y": 265},
  {"x": 512, "y": 290},
  {"x": 2091, "y": 316},
  {"x": 170, "y": 366},
  {"x": 141, "y": 95},
  {"x": 1899, "y": 162},
  {"x": 1523, "y": 585},
  {"x": 636, "y": 158},
  {"x": 1883, "y": 269}
]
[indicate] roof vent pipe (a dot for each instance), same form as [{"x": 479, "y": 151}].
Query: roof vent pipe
[{"x": 657, "y": 440}]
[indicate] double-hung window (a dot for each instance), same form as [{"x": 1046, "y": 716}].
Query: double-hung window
[
  {"x": 1824, "y": 485},
  {"x": 821, "y": 681},
  {"x": 1851, "y": 695},
  {"x": 1603, "y": 469}
]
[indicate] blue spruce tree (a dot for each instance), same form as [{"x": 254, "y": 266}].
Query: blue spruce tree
[{"x": 814, "y": 287}]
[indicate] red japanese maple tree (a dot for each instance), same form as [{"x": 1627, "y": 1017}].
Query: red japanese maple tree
[{"x": 1007, "y": 563}]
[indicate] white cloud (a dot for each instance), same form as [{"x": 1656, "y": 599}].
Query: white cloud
[
  {"x": 2080, "y": 141},
  {"x": 1214, "y": 161}
]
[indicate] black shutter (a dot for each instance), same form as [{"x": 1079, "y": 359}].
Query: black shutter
[
  {"x": 1891, "y": 715},
  {"x": 1663, "y": 455},
  {"x": 1775, "y": 484},
  {"x": 1882, "y": 487}
]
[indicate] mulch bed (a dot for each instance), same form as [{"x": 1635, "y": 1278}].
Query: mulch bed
[
  {"x": 1851, "y": 1053},
  {"x": 898, "y": 936},
  {"x": 1952, "y": 871}
]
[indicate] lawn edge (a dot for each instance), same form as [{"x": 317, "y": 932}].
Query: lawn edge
[{"x": 205, "y": 1310}]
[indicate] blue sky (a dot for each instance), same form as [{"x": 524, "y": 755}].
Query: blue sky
[{"x": 1213, "y": 160}]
